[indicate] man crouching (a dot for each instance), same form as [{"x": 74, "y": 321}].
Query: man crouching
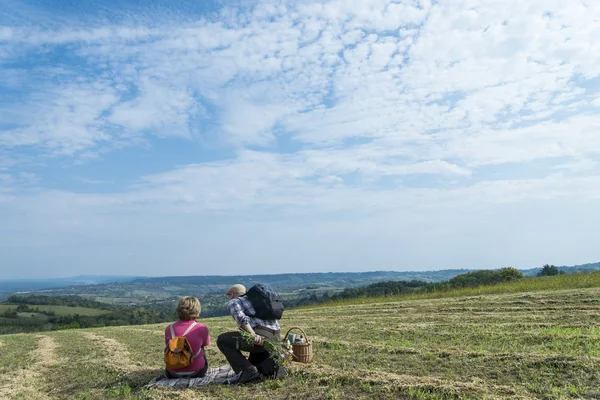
[{"x": 230, "y": 344}]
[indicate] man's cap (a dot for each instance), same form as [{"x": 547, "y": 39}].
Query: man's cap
[{"x": 237, "y": 288}]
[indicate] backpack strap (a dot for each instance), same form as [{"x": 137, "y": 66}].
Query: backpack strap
[
  {"x": 187, "y": 331},
  {"x": 184, "y": 333},
  {"x": 193, "y": 324},
  {"x": 189, "y": 328},
  {"x": 198, "y": 353}
]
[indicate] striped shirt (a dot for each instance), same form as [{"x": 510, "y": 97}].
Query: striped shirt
[{"x": 242, "y": 312}]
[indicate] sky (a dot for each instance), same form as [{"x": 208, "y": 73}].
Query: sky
[{"x": 174, "y": 137}]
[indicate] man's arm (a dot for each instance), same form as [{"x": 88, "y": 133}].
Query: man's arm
[
  {"x": 237, "y": 312},
  {"x": 248, "y": 328},
  {"x": 258, "y": 340}
]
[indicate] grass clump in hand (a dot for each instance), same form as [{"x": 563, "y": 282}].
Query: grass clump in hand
[{"x": 280, "y": 351}]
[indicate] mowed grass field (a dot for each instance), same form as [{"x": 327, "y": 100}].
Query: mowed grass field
[
  {"x": 541, "y": 344},
  {"x": 59, "y": 310}
]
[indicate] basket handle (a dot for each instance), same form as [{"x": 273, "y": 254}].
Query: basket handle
[{"x": 300, "y": 329}]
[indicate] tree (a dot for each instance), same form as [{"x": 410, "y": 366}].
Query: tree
[
  {"x": 548, "y": 270},
  {"x": 10, "y": 313},
  {"x": 485, "y": 277},
  {"x": 22, "y": 308},
  {"x": 510, "y": 274}
]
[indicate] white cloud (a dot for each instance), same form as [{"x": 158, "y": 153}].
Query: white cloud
[
  {"x": 164, "y": 110},
  {"x": 492, "y": 64},
  {"x": 354, "y": 107},
  {"x": 248, "y": 123},
  {"x": 585, "y": 164},
  {"x": 63, "y": 119},
  {"x": 574, "y": 137}
]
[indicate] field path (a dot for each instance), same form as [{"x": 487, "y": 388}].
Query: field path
[
  {"x": 28, "y": 383},
  {"x": 46, "y": 352},
  {"x": 117, "y": 354}
]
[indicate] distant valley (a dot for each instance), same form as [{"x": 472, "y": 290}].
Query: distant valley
[
  {"x": 135, "y": 290},
  {"x": 14, "y": 285},
  {"x": 131, "y": 290}
]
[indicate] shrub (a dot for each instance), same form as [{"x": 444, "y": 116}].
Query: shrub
[{"x": 549, "y": 270}]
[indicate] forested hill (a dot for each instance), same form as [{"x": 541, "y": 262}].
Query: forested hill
[
  {"x": 133, "y": 290},
  {"x": 298, "y": 280},
  {"x": 43, "y": 313},
  {"x": 13, "y": 285},
  {"x": 575, "y": 269},
  {"x": 168, "y": 286}
]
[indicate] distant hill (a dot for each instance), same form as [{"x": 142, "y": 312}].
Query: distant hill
[
  {"x": 574, "y": 269},
  {"x": 168, "y": 286},
  {"x": 145, "y": 290},
  {"x": 14, "y": 285},
  {"x": 300, "y": 280}
]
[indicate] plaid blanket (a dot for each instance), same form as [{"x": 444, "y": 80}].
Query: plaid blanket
[{"x": 222, "y": 375}]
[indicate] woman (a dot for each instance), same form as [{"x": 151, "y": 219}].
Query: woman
[{"x": 188, "y": 310}]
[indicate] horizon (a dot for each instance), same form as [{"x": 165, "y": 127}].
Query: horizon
[
  {"x": 255, "y": 137},
  {"x": 279, "y": 273},
  {"x": 218, "y": 275}
]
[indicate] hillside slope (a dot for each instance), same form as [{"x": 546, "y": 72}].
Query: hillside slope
[{"x": 518, "y": 345}]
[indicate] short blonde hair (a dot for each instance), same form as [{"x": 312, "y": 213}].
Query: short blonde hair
[
  {"x": 236, "y": 289},
  {"x": 188, "y": 308}
]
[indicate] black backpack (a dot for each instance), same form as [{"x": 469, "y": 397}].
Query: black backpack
[{"x": 266, "y": 302}]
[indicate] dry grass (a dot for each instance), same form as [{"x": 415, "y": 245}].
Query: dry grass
[
  {"x": 516, "y": 345},
  {"x": 29, "y": 382},
  {"x": 116, "y": 354}
]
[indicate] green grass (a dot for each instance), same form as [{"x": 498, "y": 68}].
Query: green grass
[
  {"x": 59, "y": 310},
  {"x": 32, "y": 315},
  {"x": 558, "y": 282},
  {"x": 540, "y": 341},
  {"x": 123, "y": 301},
  {"x": 12, "y": 351}
]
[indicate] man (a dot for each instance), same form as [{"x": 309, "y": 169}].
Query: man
[{"x": 242, "y": 312}]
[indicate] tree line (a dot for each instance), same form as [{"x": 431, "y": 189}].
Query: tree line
[
  {"x": 69, "y": 301},
  {"x": 392, "y": 288},
  {"x": 12, "y": 321}
]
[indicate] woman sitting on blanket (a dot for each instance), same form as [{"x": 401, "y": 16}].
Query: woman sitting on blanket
[{"x": 197, "y": 335}]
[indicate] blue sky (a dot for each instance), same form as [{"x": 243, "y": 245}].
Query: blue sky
[{"x": 223, "y": 137}]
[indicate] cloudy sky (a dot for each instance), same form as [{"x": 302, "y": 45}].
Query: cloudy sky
[{"x": 226, "y": 137}]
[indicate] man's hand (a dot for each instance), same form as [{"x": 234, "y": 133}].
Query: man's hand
[{"x": 259, "y": 340}]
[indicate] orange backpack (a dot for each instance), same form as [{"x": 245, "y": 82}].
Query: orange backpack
[{"x": 178, "y": 353}]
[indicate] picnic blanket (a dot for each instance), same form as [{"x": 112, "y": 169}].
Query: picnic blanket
[{"x": 222, "y": 375}]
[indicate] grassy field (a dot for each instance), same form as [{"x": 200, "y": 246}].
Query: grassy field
[
  {"x": 531, "y": 284},
  {"x": 512, "y": 343},
  {"x": 59, "y": 310}
]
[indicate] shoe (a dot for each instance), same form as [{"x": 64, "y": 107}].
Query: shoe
[
  {"x": 267, "y": 367},
  {"x": 249, "y": 374},
  {"x": 280, "y": 372}
]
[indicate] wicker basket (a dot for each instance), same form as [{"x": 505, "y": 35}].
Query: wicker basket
[{"x": 303, "y": 352}]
